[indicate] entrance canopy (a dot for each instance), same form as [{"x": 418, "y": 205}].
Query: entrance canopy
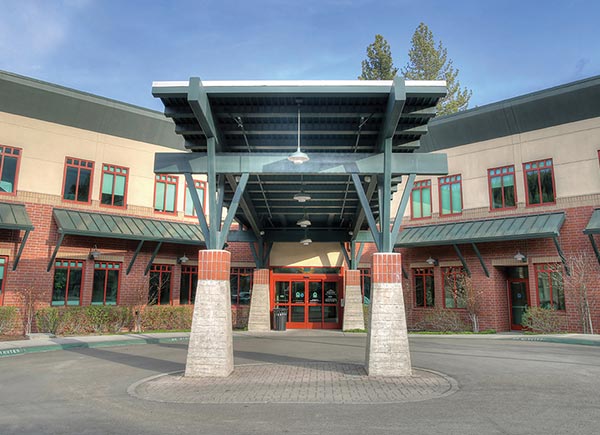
[{"x": 359, "y": 137}]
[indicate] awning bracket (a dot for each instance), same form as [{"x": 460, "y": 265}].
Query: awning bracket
[
  {"x": 154, "y": 253},
  {"x": 345, "y": 254},
  {"x": 367, "y": 210},
  {"x": 53, "y": 256},
  {"x": 135, "y": 254},
  {"x": 21, "y": 246},
  {"x": 594, "y": 247},
  {"x": 485, "y": 269},
  {"x": 462, "y": 260},
  {"x": 562, "y": 256}
]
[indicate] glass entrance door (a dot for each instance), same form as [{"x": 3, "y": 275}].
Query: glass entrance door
[
  {"x": 312, "y": 303},
  {"x": 518, "y": 298}
]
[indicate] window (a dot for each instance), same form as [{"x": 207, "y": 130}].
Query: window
[
  {"x": 424, "y": 288},
  {"x": 3, "y": 264},
  {"x": 114, "y": 186},
  {"x": 539, "y": 180},
  {"x": 241, "y": 285},
  {"x": 9, "y": 168},
  {"x": 421, "y": 200},
  {"x": 189, "y": 282},
  {"x": 160, "y": 284},
  {"x": 188, "y": 203},
  {"x": 550, "y": 286},
  {"x": 502, "y": 188},
  {"x": 68, "y": 276},
  {"x": 365, "y": 285},
  {"x": 165, "y": 194},
  {"x": 454, "y": 290},
  {"x": 450, "y": 195},
  {"x": 106, "y": 283},
  {"x": 78, "y": 180}
]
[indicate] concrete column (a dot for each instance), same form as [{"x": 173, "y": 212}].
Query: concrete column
[
  {"x": 210, "y": 352},
  {"x": 387, "y": 340},
  {"x": 354, "y": 317},
  {"x": 259, "y": 319}
]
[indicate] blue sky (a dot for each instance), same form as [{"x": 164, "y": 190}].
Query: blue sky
[{"x": 116, "y": 48}]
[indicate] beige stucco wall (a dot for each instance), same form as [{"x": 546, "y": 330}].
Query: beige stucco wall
[
  {"x": 573, "y": 148},
  {"x": 45, "y": 146},
  {"x": 315, "y": 254}
]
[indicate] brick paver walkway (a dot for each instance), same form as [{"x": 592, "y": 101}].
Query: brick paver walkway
[{"x": 321, "y": 382}]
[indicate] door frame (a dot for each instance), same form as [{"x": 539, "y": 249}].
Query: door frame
[
  {"x": 513, "y": 326},
  {"x": 307, "y": 278}
]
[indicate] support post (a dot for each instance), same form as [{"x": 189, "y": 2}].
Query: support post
[
  {"x": 259, "y": 319},
  {"x": 385, "y": 215},
  {"x": 354, "y": 317},
  {"x": 462, "y": 260},
  {"x": 53, "y": 256},
  {"x": 210, "y": 350},
  {"x": 21, "y": 246},
  {"x": 485, "y": 269},
  {"x": 214, "y": 228},
  {"x": 387, "y": 351},
  {"x": 135, "y": 254}
]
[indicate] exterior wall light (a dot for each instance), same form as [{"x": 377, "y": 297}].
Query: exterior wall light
[
  {"x": 520, "y": 257},
  {"x": 431, "y": 261},
  {"x": 94, "y": 253},
  {"x": 182, "y": 259}
]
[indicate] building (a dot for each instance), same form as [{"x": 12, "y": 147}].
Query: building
[{"x": 84, "y": 219}]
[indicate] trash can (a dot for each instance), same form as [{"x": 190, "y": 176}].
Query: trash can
[{"x": 279, "y": 318}]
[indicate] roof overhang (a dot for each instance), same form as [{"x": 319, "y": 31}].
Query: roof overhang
[{"x": 15, "y": 217}]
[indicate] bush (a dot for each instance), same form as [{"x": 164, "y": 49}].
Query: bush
[
  {"x": 48, "y": 320},
  {"x": 167, "y": 317},
  {"x": 8, "y": 318},
  {"x": 97, "y": 319},
  {"x": 442, "y": 320},
  {"x": 542, "y": 320}
]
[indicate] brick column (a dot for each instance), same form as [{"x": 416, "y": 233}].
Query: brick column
[
  {"x": 259, "y": 319},
  {"x": 387, "y": 340},
  {"x": 210, "y": 352},
  {"x": 354, "y": 317}
]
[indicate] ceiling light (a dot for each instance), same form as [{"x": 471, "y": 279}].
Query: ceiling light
[
  {"x": 298, "y": 157},
  {"x": 302, "y": 197},
  {"x": 306, "y": 242},
  {"x": 304, "y": 222}
]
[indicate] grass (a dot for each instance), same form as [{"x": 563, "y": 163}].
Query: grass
[
  {"x": 353, "y": 331},
  {"x": 485, "y": 331}
]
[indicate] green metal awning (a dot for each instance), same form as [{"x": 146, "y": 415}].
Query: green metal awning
[
  {"x": 14, "y": 217},
  {"x": 536, "y": 226},
  {"x": 83, "y": 223},
  {"x": 593, "y": 226}
]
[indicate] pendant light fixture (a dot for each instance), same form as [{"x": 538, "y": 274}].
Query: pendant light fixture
[
  {"x": 301, "y": 197},
  {"x": 298, "y": 157}
]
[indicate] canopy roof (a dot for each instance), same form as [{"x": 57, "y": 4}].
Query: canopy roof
[
  {"x": 593, "y": 226},
  {"x": 536, "y": 226},
  {"x": 346, "y": 117},
  {"x": 14, "y": 217},
  {"x": 83, "y": 223}
]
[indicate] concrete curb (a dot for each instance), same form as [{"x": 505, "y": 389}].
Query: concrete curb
[{"x": 561, "y": 340}]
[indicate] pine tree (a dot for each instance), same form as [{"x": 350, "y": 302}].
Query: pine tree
[
  {"x": 378, "y": 65},
  {"x": 426, "y": 62}
]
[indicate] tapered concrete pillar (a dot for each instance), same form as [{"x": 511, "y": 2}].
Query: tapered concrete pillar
[
  {"x": 259, "y": 319},
  {"x": 387, "y": 340},
  {"x": 354, "y": 317},
  {"x": 210, "y": 352}
]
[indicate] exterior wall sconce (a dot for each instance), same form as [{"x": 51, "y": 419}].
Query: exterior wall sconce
[
  {"x": 431, "y": 261},
  {"x": 183, "y": 259},
  {"x": 94, "y": 253},
  {"x": 520, "y": 257}
]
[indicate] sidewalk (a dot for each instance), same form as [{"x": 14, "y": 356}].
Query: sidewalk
[{"x": 43, "y": 343}]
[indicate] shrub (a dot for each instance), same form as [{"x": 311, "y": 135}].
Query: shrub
[
  {"x": 442, "y": 320},
  {"x": 542, "y": 320},
  {"x": 167, "y": 317},
  {"x": 8, "y": 318},
  {"x": 48, "y": 320}
]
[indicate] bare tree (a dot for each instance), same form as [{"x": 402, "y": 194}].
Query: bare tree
[
  {"x": 469, "y": 297},
  {"x": 27, "y": 301},
  {"x": 583, "y": 271}
]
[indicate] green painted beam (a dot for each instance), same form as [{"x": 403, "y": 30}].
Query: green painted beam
[
  {"x": 197, "y": 205},
  {"x": 135, "y": 254},
  {"x": 247, "y": 207},
  {"x": 594, "y": 247},
  {"x": 241, "y": 236},
  {"x": 393, "y": 112},
  {"x": 462, "y": 260},
  {"x": 21, "y": 246},
  {"x": 232, "y": 210},
  {"x": 402, "y": 207},
  {"x": 295, "y": 235},
  {"x": 367, "y": 209},
  {"x": 152, "y": 257},
  {"x": 56, "y": 248},
  {"x": 320, "y": 163},
  {"x": 562, "y": 256},
  {"x": 385, "y": 206},
  {"x": 483, "y": 266},
  {"x": 198, "y": 101},
  {"x": 345, "y": 254}
]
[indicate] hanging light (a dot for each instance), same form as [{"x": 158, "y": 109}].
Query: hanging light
[
  {"x": 304, "y": 222},
  {"x": 298, "y": 157},
  {"x": 306, "y": 241},
  {"x": 431, "y": 261},
  {"x": 520, "y": 257},
  {"x": 302, "y": 197}
]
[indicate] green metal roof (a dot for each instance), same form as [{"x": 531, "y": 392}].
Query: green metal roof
[
  {"x": 14, "y": 217},
  {"x": 533, "y": 226},
  {"x": 593, "y": 226},
  {"x": 83, "y": 223}
]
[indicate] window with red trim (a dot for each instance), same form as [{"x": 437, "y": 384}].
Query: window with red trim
[
  {"x": 420, "y": 204},
  {"x": 113, "y": 192},
  {"x": 424, "y": 287},
  {"x": 165, "y": 194},
  {"x": 3, "y": 264},
  {"x": 550, "y": 286},
  {"x": 241, "y": 285},
  {"x": 68, "y": 277},
  {"x": 159, "y": 292},
  {"x": 106, "y": 283},
  {"x": 189, "y": 282},
  {"x": 188, "y": 203},
  {"x": 454, "y": 287},
  {"x": 365, "y": 285},
  {"x": 77, "y": 185},
  {"x": 10, "y": 159},
  {"x": 539, "y": 182},
  {"x": 450, "y": 195},
  {"x": 503, "y": 193}
]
